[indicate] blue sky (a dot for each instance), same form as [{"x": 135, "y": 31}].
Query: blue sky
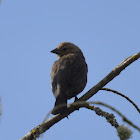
[{"x": 106, "y": 31}]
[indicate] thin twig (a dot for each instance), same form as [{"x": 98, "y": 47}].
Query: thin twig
[{"x": 118, "y": 93}]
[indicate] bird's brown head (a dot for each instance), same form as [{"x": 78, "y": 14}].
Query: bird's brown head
[{"x": 66, "y": 48}]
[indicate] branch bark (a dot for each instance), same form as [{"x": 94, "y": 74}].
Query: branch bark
[{"x": 47, "y": 124}]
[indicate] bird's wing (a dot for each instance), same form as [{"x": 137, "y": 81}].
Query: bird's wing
[
  {"x": 68, "y": 76},
  {"x": 77, "y": 76}
]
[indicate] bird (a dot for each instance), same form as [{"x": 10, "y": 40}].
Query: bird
[{"x": 68, "y": 75}]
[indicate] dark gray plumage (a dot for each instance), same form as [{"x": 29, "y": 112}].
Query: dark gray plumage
[{"x": 68, "y": 75}]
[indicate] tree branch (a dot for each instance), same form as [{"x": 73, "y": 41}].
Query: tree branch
[
  {"x": 118, "y": 112},
  {"x": 115, "y": 72},
  {"x": 102, "y": 104}
]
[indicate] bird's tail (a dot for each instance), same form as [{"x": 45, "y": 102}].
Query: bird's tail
[{"x": 60, "y": 106}]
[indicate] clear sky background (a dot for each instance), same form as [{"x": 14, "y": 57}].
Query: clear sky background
[{"x": 107, "y": 32}]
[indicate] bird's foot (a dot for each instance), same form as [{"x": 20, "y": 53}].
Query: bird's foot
[{"x": 76, "y": 99}]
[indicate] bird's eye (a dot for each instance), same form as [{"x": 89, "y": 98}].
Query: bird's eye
[{"x": 64, "y": 49}]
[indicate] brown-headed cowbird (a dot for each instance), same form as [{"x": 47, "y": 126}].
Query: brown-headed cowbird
[{"x": 68, "y": 75}]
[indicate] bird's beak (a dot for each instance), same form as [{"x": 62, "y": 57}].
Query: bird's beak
[{"x": 57, "y": 51}]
